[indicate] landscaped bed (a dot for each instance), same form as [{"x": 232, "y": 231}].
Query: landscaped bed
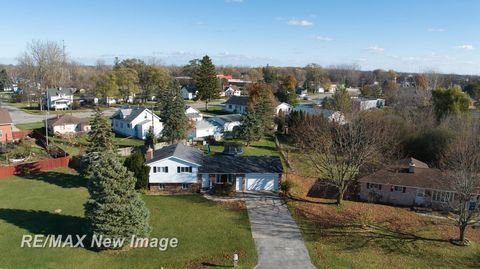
[
  {"x": 362, "y": 235},
  {"x": 52, "y": 203}
]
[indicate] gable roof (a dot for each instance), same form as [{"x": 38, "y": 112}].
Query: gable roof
[
  {"x": 190, "y": 88},
  {"x": 237, "y": 100},
  {"x": 241, "y": 164},
  {"x": 398, "y": 174},
  {"x": 65, "y": 119},
  {"x": 233, "y": 87},
  {"x": 59, "y": 91},
  {"x": 5, "y": 117},
  {"x": 229, "y": 117},
  {"x": 130, "y": 114},
  {"x": 179, "y": 151}
]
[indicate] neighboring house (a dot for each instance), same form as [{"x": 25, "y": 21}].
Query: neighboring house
[
  {"x": 319, "y": 89},
  {"x": 12, "y": 88},
  {"x": 333, "y": 88},
  {"x": 108, "y": 100},
  {"x": 59, "y": 98},
  {"x": 202, "y": 129},
  {"x": 236, "y": 104},
  {"x": 363, "y": 103},
  {"x": 135, "y": 122},
  {"x": 193, "y": 114},
  {"x": 408, "y": 182},
  {"x": 284, "y": 107},
  {"x": 302, "y": 92},
  {"x": 354, "y": 91},
  {"x": 227, "y": 123},
  {"x": 180, "y": 168},
  {"x": 189, "y": 92},
  {"x": 231, "y": 90},
  {"x": 67, "y": 124},
  {"x": 174, "y": 168},
  {"x": 6, "y": 125},
  {"x": 88, "y": 99},
  {"x": 331, "y": 115}
]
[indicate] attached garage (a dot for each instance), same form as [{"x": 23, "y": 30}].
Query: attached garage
[{"x": 246, "y": 173}]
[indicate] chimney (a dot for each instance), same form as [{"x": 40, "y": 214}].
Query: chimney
[
  {"x": 149, "y": 154},
  {"x": 411, "y": 166}
]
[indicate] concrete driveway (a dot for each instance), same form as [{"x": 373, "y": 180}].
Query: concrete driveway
[
  {"x": 19, "y": 116},
  {"x": 277, "y": 237}
]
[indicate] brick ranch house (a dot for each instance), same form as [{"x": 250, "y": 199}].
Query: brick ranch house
[
  {"x": 408, "y": 182},
  {"x": 179, "y": 168}
]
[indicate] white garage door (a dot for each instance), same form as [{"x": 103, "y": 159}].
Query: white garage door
[{"x": 262, "y": 182}]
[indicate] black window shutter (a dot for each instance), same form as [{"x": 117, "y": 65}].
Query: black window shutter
[
  {"x": 190, "y": 169},
  {"x": 404, "y": 189},
  {"x": 154, "y": 169},
  {"x": 166, "y": 169},
  {"x": 178, "y": 169},
  {"x": 380, "y": 186}
]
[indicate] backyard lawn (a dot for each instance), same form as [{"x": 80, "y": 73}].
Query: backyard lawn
[
  {"x": 30, "y": 126},
  {"x": 264, "y": 147},
  {"x": 52, "y": 203},
  {"x": 362, "y": 235}
]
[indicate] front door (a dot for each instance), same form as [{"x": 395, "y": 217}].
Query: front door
[
  {"x": 238, "y": 184},
  {"x": 420, "y": 197}
]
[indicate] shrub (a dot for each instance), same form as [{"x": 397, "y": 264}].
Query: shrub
[
  {"x": 225, "y": 189},
  {"x": 286, "y": 186},
  {"x": 136, "y": 164}
]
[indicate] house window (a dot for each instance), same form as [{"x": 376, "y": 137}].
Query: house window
[
  {"x": 398, "y": 189},
  {"x": 160, "y": 169},
  {"x": 224, "y": 178},
  {"x": 442, "y": 196},
  {"x": 374, "y": 186},
  {"x": 154, "y": 169},
  {"x": 184, "y": 169},
  {"x": 184, "y": 186},
  {"x": 229, "y": 106},
  {"x": 161, "y": 186}
]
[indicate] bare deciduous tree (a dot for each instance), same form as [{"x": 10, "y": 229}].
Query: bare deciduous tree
[
  {"x": 44, "y": 62},
  {"x": 462, "y": 166}
]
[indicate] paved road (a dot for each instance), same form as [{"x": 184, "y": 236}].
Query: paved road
[
  {"x": 19, "y": 116},
  {"x": 277, "y": 238}
]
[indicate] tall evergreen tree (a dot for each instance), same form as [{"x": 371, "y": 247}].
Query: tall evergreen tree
[
  {"x": 261, "y": 101},
  {"x": 206, "y": 81},
  {"x": 135, "y": 163},
  {"x": 172, "y": 114},
  {"x": 100, "y": 137},
  {"x": 252, "y": 127},
  {"x": 114, "y": 209},
  {"x": 150, "y": 139}
]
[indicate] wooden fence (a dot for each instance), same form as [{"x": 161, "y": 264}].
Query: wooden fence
[{"x": 43, "y": 165}]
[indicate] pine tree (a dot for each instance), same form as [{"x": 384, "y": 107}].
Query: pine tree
[
  {"x": 114, "y": 209},
  {"x": 261, "y": 101},
  {"x": 252, "y": 128},
  {"x": 100, "y": 137},
  {"x": 135, "y": 163},
  {"x": 206, "y": 81},
  {"x": 150, "y": 139},
  {"x": 172, "y": 114}
]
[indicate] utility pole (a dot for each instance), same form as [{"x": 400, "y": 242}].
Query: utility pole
[{"x": 46, "y": 117}]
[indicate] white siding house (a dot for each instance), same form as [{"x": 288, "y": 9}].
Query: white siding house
[
  {"x": 284, "y": 107},
  {"x": 135, "y": 122},
  {"x": 67, "y": 124},
  {"x": 202, "y": 129},
  {"x": 59, "y": 98},
  {"x": 226, "y": 123},
  {"x": 189, "y": 92},
  {"x": 236, "y": 104},
  {"x": 231, "y": 90},
  {"x": 193, "y": 114}
]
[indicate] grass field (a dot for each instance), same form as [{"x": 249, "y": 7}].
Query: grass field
[
  {"x": 75, "y": 145},
  {"x": 33, "y": 109},
  {"x": 264, "y": 147},
  {"x": 208, "y": 233},
  {"x": 362, "y": 235},
  {"x": 30, "y": 126}
]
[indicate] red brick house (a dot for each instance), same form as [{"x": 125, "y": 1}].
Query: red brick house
[
  {"x": 6, "y": 125},
  {"x": 407, "y": 182}
]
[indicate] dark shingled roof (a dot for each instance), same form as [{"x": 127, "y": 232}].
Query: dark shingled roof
[
  {"x": 5, "y": 117},
  {"x": 241, "y": 164},
  {"x": 180, "y": 151},
  {"x": 237, "y": 100},
  {"x": 398, "y": 174}
]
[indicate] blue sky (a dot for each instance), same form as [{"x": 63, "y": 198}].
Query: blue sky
[{"x": 407, "y": 35}]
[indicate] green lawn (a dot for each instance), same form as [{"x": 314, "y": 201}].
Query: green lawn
[
  {"x": 214, "y": 110},
  {"x": 207, "y": 232},
  {"x": 30, "y": 126},
  {"x": 264, "y": 147},
  {"x": 75, "y": 146}
]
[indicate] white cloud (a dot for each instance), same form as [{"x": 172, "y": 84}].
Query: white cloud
[
  {"x": 323, "y": 38},
  {"x": 465, "y": 47},
  {"x": 303, "y": 23},
  {"x": 376, "y": 49},
  {"x": 436, "y": 30},
  {"x": 234, "y": 1}
]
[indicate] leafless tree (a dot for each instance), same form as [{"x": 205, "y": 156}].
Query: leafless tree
[
  {"x": 462, "y": 167},
  {"x": 44, "y": 62},
  {"x": 338, "y": 152}
]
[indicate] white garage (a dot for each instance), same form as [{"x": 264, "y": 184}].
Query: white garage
[
  {"x": 260, "y": 182},
  {"x": 246, "y": 173}
]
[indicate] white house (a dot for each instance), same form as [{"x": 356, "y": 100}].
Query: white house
[
  {"x": 363, "y": 103},
  {"x": 193, "y": 114},
  {"x": 59, "y": 98},
  {"x": 236, "y": 104},
  {"x": 174, "y": 168},
  {"x": 231, "y": 90},
  {"x": 189, "y": 92},
  {"x": 180, "y": 168},
  {"x": 331, "y": 115},
  {"x": 284, "y": 107},
  {"x": 226, "y": 123},
  {"x": 135, "y": 122},
  {"x": 67, "y": 124},
  {"x": 202, "y": 129}
]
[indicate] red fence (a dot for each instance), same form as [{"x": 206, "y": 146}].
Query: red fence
[
  {"x": 21, "y": 134},
  {"x": 43, "y": 165}
]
